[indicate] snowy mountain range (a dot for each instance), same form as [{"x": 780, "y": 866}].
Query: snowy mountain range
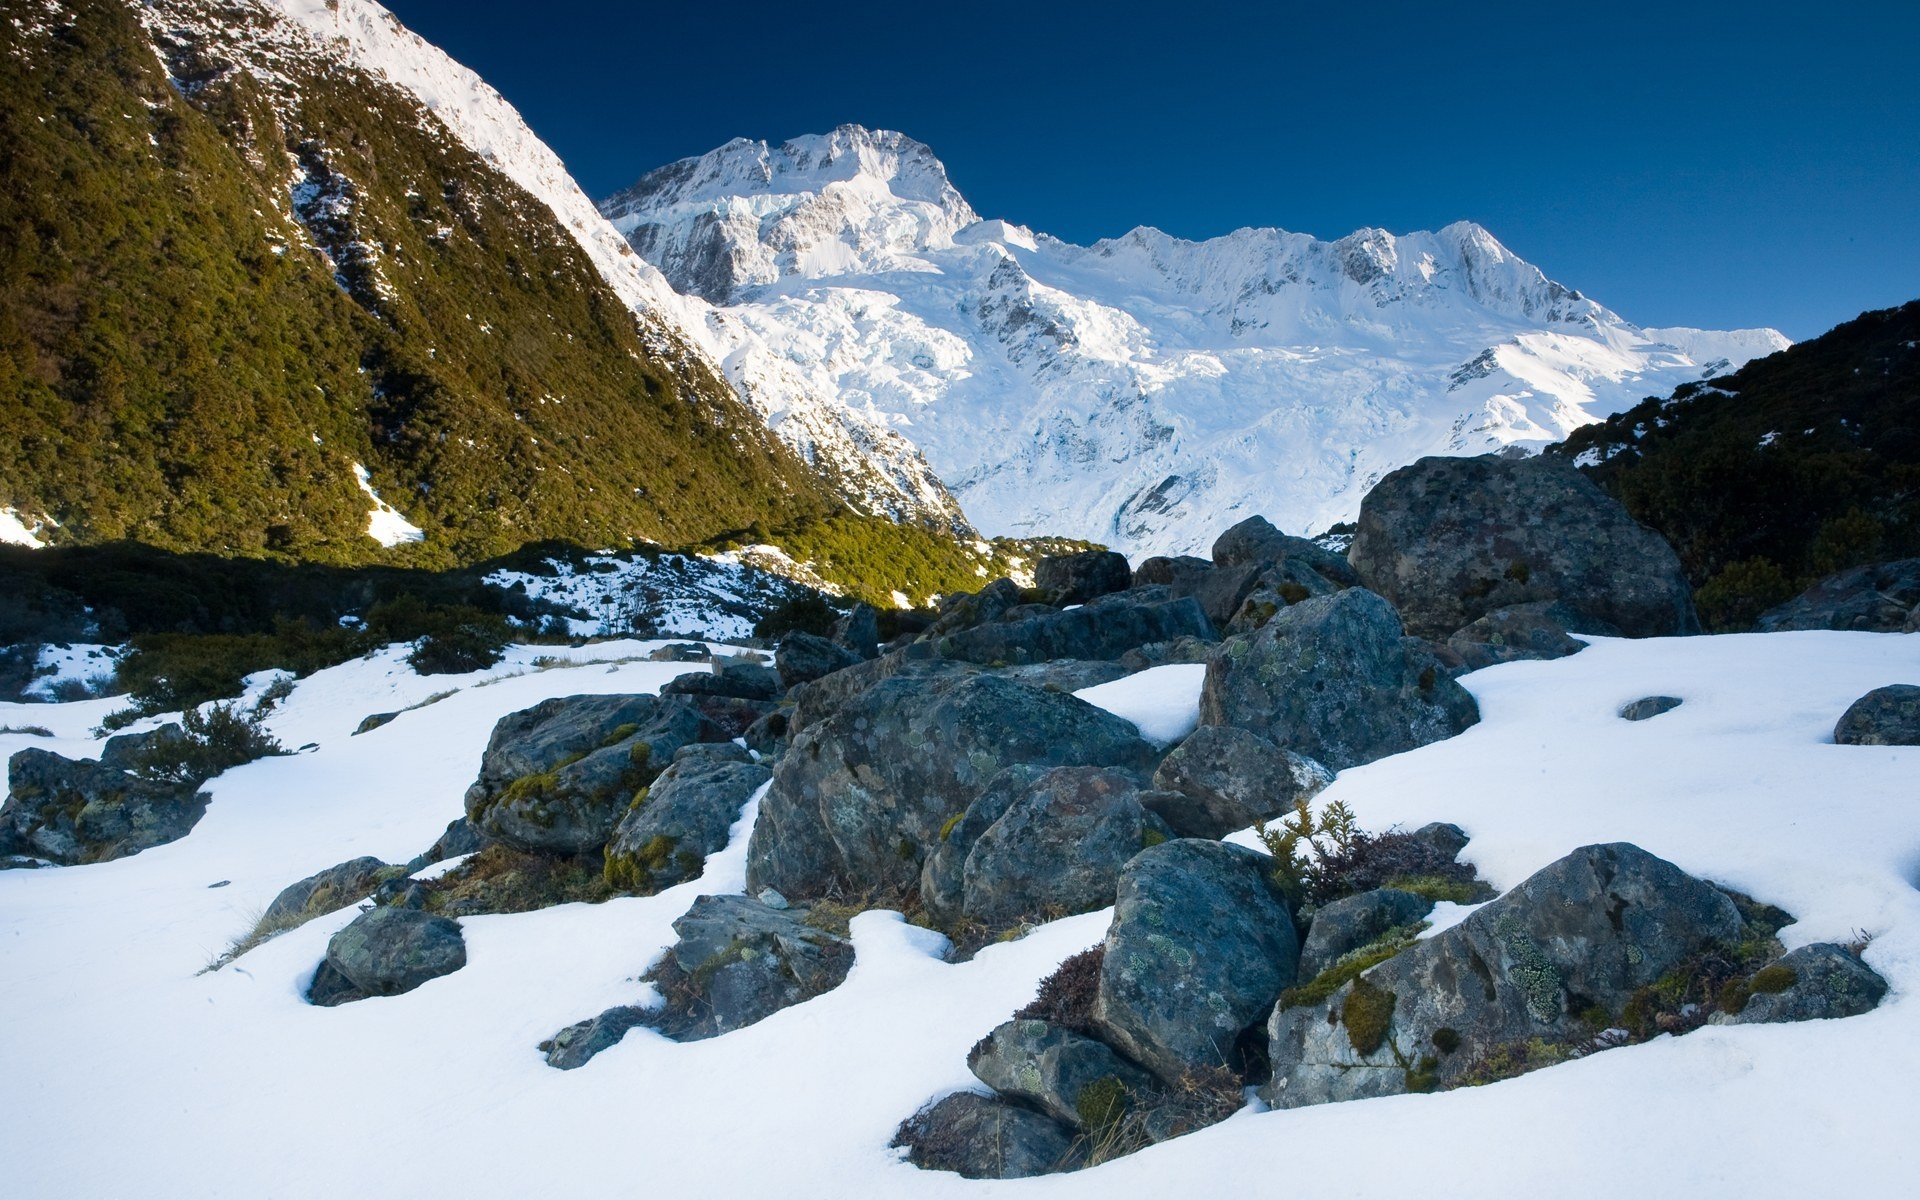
[{"x": 1140, "y": 391}]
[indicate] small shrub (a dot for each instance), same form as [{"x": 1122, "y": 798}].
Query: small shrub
[
  {"x": 1367, "y": 1012},
  {"x": 1734, "y": 599},
  {"x": 1066, "y": 997},
  {"x": 27, "y": 730},
  {"x": 215, "y": 739}
]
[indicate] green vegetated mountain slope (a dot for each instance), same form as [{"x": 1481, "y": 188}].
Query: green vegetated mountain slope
[
  {"x": 222, "y": 283},
  {"x": 1797, "y": 465}
]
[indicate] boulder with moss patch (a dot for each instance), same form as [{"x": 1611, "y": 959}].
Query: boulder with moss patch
[
  {"x": 738, "y": 961},
  {"x": 985, "y": 1137},
  {"x": 389, "y": 951},
  {"x": 1067, "y": 1075},
  {"x": 681, "y": 818},
  {"x": 1553, "y": 961},
  {"x": 1813, "y": 983},
  {"x": 72, "y": 811},
  {"x": 1222, "y": 779},
  {"x": 1350, "y": 923},
  {"x": 327, "y": 891}
]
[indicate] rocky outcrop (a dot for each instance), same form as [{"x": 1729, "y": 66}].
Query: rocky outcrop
[
  {"x": 1878, "y": 598},
  {"x": 738, "y": 679},
  {"x": 861, "y": 798},
  {"x": 1814, "y": 983},
  {"x": 859, "y": 630},
  {"x": 1349, "y": 923},
  {"x": 1540, "y": 630},
  {"x": 1104, "y": 629},
  {"x": 72, "y": 811},
  {"x": 1199, "y": 948},
  {"x": 388, "y": 951},
  {"x": 327, "y": 891},
  {"x": 1334, "y": 678},
  {"x": 1448, "y": 540},
  {"x": 805, "y": 657},
  {"x": 738, "y": 961},
  {"x": 984, "y": 1137},
  {"x": 1648, "y": 707},
  {"x": 1075, "y": 1079},
  {"x": 1888, "y": 716},
  {"x": 556, "y": 777},
  {"x": 1255, "y": 542},
  {"x": 682, "y": 817},
  {"x": 574, "y": 1046},
  {"x": 1577, "y": 938},
  {"x": 1222, "y": 779},
  {"x": 1039, "y": 844},
  {"x": 1077, "y": 578}
]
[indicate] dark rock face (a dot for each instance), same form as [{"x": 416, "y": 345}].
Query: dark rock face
[
  {"x": 1335, "y": 679},
  {"x": 1163, "y": 570},
  {"x": 1539, "y": 630},
  {"x": 1353, "y": 922},
  {"x": 373, "y": 721},
  {"x": 1648, "y": 707},
  {"x": 768, "y": 735},
  {"x": 1161, "y": 654},
  {"x": 557, "y": 776},
  {"x": 731, "y": 716},
  {"x": 1071, "y": 1077},
  {"x": 1064, "y": 675},
  {"x": 964, "y": 611},
  {"x": 1222, "y": 779},
  {"x": 127, "y": 751},
  {"x": 682, "y": 817},
  {"x": 1812, "y": 983},
  {"x": 1278, "y": 587},
  {"x": 327, "y": 891},
  {"x": 1255, "y": 542},
  {"x": 805, "y": 657},
  {"x": 860, "y": 799},
  {"x": 1103, "y": 630},
  {"x": 1451, "y": 539},
  {"x": 1880, "y": 598},
  {"x": 859, "y": 630},
  {"x": 1199, "y": 948},
  {"x": 387, "y": 951},
  {"x": 984, "y": 1137},
  {"x": 739, "y": 961},
  {"x": 330, "y": 988},
  {"x": 1888, "y": 716},
  {"x": 1078, "y": 578},
  {"x": 461, "y": 836},
  {"x": 740, "y": 680},
  {"x": 1586, "y": 931},
  {"x": 1039, "y": 844},
  {"x": 681, "y": 652},
  {"x": 575, "y": 1045},
  {"x": 815, "y": 702},
  {"x": 71, "y": 811}
]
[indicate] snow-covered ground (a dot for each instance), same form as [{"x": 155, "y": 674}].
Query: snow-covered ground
[
  {"x": 84, "y": 664},
  {"x": 719, "y": 596},
  {"x": 122, "y": 1071}
]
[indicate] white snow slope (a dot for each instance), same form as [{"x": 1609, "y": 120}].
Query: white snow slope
[
  {"x": 1144, "y": 391},
  {"x": 122, "y": 1072}
]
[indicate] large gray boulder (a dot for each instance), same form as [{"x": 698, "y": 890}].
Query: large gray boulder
[
  {"x": 681, "y": 818},
  {"x": 1064, "y": 674},
  {"x": 985, "y": 1137},
  {"x": 805, "y": 657},
  {"x": 1255, "y": 542},
  {"x": 738, "y": 961},
  {"x": 1451, "y": 539},
  {"x": 556, "y": 777},
  {"x": 387, "y": 951},
  {"x": 859, "y": 799},
  {"x": 1878, "y": 598},
  {"x": 1577, "y": 938},
  {"x": 1540, "y": 630},
  {"x": 1104, "y": 629},
  {"x": 1078, "y": 578},
  {"x": 1199, "y": 948},
  {"x": 1071, "y": 1077},
  {"x": 1222, "y": 779},
  {"x": 815, "y": 702},
  {"x": 1039, "y": 844},
  {"x": 1814, "y": 983},
  {"x": 72, "y": 811},
  {"x": 859, "y": 630},
  {"x": 1335, "y": 678},
  {"x": 1888, "y": 716},
  {"x": 741, "y": 679}
]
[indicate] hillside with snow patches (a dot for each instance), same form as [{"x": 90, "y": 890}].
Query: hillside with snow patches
[{"x": 1140, "y": 390}]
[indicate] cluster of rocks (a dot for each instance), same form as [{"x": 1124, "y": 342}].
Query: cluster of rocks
[{"x": 69, "y": 811}]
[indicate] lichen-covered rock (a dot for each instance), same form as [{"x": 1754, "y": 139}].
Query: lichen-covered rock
[
  {"x": 984, "y": 1137},
  {"x": 738, "y": 961},
  {"x": 1170, "y": 571},
  {"x": 1071, "y": 1077},
  {"x": 574, "y": 1046},
  {"x": 461, "y": 836},
  {"x": 1040, "y": 844},
  {"x": 860, "y": 799},
  {"x": 387, "y": 951},
  {"x": 327, "y": 891},
  {"x": 71, "y": 811},
  {"x": 1078, "y": 578},
  {"x": 1877, "y": 598},
  {"x": 1648, "y": 707},
  {"x": 1336, "y": 679},
  {"x": 815, "y": 702},
  {"x": 964, "y": 610},
  {"x": 1064, "y": 675},
  {"x": 1160, "y": 654},
  {"x": 681, "y": 818},
  {"x": 1888, "y": 716},
  {"x": 1580, "y": 936},
  {"x": 329, "y": 988},
  {"x": 1353, "y": 921},
  {"x": 1450, "y": 539},
  {"x": 1278, "y": 587},
  {"x": 805, "y": 657},
  {"x": 556, "y": 777},
  {"x": 1102, "y": 630},
  {"x": 1812, "y": 983},
  {"x": 1255, "y": 542},
  {"x": 1541, "y": 630},
  {"x": 1199, "y": 948},
  {"x": 747, "y": 679},
  {"x": 1222, "y": 779}
]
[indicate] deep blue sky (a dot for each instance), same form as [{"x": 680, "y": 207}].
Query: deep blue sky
[{"x": 1711, "y": 164}]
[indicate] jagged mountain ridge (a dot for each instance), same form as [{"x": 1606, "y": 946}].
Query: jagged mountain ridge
[{"x": 1139, "y": 390}]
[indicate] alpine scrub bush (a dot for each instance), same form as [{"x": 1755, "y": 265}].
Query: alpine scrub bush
[{"x": 214, "y": 739}]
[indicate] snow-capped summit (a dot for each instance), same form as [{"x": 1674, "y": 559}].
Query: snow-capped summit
[{"x": 1140, "y": 391}]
